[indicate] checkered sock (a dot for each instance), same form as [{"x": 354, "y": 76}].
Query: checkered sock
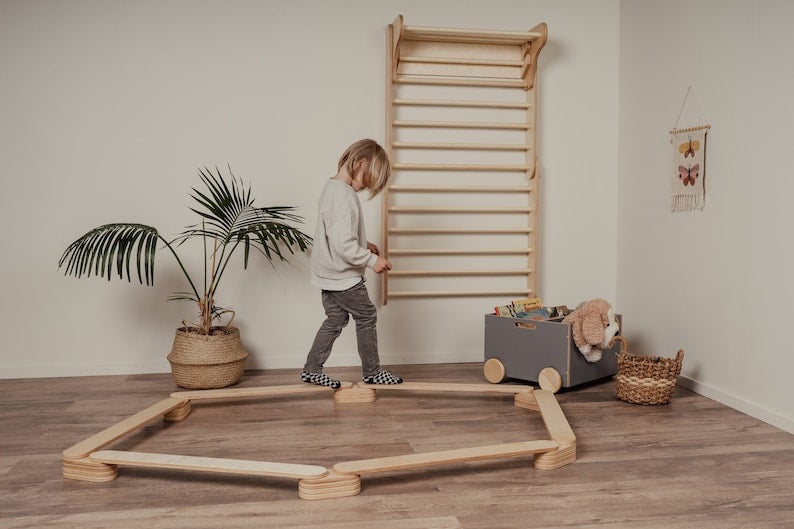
[
  {"x": 383, "y": 377},
  {"x": 320, "y": 379}
]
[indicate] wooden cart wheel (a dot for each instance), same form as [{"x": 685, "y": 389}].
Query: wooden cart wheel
[
  {"x": 550, "y": 379},
  {"x": 494, "y": 370}
]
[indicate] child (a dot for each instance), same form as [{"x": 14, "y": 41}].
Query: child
[{"x": 340, "y": 255}]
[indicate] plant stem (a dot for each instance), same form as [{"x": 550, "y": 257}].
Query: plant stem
[{"x": 222, "y": 268}]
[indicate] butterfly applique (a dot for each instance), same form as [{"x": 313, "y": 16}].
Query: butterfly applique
[
  {"x": 689, "y": 174},
  {"x": 689, "y": 148}
]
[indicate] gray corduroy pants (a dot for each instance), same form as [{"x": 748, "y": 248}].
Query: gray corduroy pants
[{"x": 339, "y": 306}]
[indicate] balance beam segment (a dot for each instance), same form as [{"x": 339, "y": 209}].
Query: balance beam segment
[
  {"x": 554, "y": 418},
  {"x": 82, "y": 449},
  {"x": 209, "y": 464},
  {"x": 452, "y": 387},
  {"x": 442, "y": 457},
  {"x": 268, "y": 391}
]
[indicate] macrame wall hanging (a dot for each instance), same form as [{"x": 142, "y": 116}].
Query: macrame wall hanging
[{"x": 688, "y": 190}]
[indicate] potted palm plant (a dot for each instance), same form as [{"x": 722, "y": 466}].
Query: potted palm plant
[{"x": 203, "y": 355}]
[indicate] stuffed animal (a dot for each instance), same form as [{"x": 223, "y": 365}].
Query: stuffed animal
[{"x": 594, "y": 325}]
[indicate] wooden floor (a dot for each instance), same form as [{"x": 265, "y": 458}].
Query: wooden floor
[{"x": 693, "y": 463}]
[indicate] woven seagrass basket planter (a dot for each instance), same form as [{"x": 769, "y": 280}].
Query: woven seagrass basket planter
[
  {"x": 208, "y": 361},
  {"x": 644, "y": 379}
]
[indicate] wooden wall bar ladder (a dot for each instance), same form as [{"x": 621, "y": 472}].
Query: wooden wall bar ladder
[{"x": 460, "y": 216}]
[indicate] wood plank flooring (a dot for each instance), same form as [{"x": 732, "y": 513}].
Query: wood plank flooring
[{"x": 693, "y": 463}]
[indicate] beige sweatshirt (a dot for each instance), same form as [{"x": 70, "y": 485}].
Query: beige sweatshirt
[{"x": 339, "y": 252}]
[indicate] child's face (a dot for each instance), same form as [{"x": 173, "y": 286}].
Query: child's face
[{"x": 362, "y": 177}]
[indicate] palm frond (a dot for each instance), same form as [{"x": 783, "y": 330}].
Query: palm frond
[
  {"x": 228, "y": 215},
  {"x": 110, "y": 248}
]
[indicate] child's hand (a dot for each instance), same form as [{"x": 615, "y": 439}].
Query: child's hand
[
  {"x": 382, "y": 265},
  {"x": 373, "y": 248}
]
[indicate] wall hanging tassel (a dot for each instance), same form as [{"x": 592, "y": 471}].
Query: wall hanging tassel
[{"x": 689, "y": 163}]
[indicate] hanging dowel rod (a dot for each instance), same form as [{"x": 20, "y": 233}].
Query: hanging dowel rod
[
  {"x": 482, "y": 36},
  {"x": 405, "y": 79},
  {"x": 460, "y": 103},
  {"x": 494, "y": 251},
  {"x": 460, "y": 146},
  {"x": 460, "y": 125},
  {"x": 459, "y": 189},
  {"x": 430, "y": 209},
  {"x": 460, "y": 231},
  {"x": 690, "y": 129},
  {"x": 459, "y": 167},
  {"x": 461, "y": 60},
  {"x": 458, "y": 273},
  {"x": 460, "y": 293}
]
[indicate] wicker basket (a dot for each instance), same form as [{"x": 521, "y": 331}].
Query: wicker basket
[
  {"x": 646, "y": 379},
  {"x": 209, "y": 361}
]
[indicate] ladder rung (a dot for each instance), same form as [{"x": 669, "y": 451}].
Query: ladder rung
[
  {"x": 460, "y": 293},
  {"x": 459, "y": 189},
  {"x": 461, "y": 146},
  {"x": 450, "y": 209},
  {"x": 461, "y": 60},
  {"x": 458, "y": 273},
  {"x": 482, "y": 36},
  {"x": 462, "y": 251},
  {"x": 459, "y": 167},
  {"x": 454, "y": 81},
  {"x": 460, "y": 231},
  {"x": 460, "y": 125},
  {"x": 460, "y": 103}
]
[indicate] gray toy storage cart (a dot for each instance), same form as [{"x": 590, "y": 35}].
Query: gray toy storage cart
[{"x": 540, "y": 351}]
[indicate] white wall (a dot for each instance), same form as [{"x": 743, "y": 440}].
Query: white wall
[
  {"x": 716, "y": 283},
  {"x": 108, "y": 107}
]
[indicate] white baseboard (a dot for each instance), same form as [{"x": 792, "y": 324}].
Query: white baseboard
[{"x": 753, "y": 410}]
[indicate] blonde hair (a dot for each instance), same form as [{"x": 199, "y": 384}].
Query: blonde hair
[{"x": 379, "y": 165}]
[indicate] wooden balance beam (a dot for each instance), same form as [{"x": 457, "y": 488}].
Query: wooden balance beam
[
  {"x": 444, "y": 457},
  {"x": 267, "y": 391},
  {"x": 209, "y": 464},
  {"x": 86, "y": 461},
  {"x": 119, "y": 430},
  {"x": 77, "y": 465},
  {"x": 345, "y": 478},
  {"x": 559, "y": 431},
  {"x": 523, "y": 395},
  {"x": 448, "y": 387}
]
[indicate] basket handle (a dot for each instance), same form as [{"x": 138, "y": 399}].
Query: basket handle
[
  {"x": 679, "y": 357},
  {"x": 624, "y": 344}
]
